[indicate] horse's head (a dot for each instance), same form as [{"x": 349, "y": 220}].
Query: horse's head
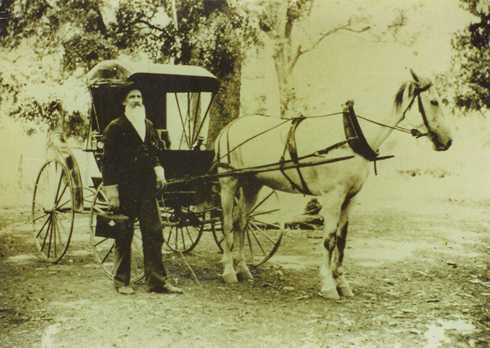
[{"x": 433, "y": 125}]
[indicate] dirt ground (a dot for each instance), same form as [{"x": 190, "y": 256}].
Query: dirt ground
[{"x": 419, "y": 269}]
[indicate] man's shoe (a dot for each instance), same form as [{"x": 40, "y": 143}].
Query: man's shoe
[
  {"x": 125, "y": 290},
  {"x": 166, "y": 288}
]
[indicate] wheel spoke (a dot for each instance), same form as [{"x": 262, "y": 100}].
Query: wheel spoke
[
  {"x": 58, "y": 188},
  {"x": 250, "y": 247},
  {"x": 257, "y": 240},
  {"x": 176, "y": 237},
  {"x": 263, "y": 232},
  {"x": 58, "y": 207},
  {"x": 51, "y": 235},
  {"x": 44, "y": 225},
  {"x": 183, "y": 236},
  {"x": 261, "y": 202},
  {"x": 58, "y": 198},
  {"x": 47, "y": 232},
  {"x": 102, "y": 241},
  {"x": 55, "y": 229},
  {"x": 170, "y": 234},
  {"x": 39, "y": 217},
  {"x": 108, "y": 253},
  {"x": 189, "y": 234}
]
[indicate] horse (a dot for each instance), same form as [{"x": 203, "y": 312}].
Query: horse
[{"x": 258, "y": 141}]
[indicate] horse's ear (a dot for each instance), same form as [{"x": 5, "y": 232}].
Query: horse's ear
[{"x": 414, "y": 75}]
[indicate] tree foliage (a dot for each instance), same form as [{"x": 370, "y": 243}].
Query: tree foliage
[
  {"x": 209, "y": 33},
  {"x": 472, "y": 58},
  {"x": 279, "y": 20}
]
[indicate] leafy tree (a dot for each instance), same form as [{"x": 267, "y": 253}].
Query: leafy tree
[
  {"x": 207, "y": 32},
  {"x": 472, "y": 58},
  {"x": 278, "y": 20}
]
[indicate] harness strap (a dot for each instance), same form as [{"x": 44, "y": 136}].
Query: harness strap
[
  {"x": 225, "y": 166},
  {"x": 291, "y": 148},
  {"x": 228, "y": 156}
]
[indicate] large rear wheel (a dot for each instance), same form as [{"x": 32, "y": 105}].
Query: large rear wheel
[
  {"x": 53, "y": 210},
  {"x": 263, "y": 234},
  {"x": 104, "y": 248}
]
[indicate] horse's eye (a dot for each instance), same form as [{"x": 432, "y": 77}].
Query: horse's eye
[{"x": 434, "y": 102}]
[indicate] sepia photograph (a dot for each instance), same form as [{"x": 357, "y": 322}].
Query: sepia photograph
[{"x": 245, "y": 173}]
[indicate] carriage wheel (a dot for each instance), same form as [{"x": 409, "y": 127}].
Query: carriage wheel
[
  {"x": 263, "y": 232},
  {"x": 103, "y": 248},
  {"x": 53, "y": 210},
  {"x": 183, "y": 227}
]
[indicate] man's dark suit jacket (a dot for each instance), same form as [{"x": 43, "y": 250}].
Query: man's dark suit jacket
[{"x": 129, "y": 162}]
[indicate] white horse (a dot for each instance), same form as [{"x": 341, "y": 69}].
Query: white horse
[{"x": 256, "y": 141}]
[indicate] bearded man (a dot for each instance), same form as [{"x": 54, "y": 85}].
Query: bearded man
[{"x": 132, "y": 175}]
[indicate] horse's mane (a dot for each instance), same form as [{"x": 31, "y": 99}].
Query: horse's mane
[{"x": 399, "y": 97}]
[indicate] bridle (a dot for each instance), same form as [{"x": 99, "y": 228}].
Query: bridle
[{"x": 419, "y": 89}]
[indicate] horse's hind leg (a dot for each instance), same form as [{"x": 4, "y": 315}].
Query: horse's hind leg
[
  {"x": 248, "y": 198},
  {"x": 229, "y": 188}
]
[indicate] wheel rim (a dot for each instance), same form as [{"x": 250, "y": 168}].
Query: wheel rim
[
  {"x": 53, "y": 211},
  {"x": 183, "y": 227},
  {"x": 262, "y": 236},
  {"x": 104, "y": 248}
]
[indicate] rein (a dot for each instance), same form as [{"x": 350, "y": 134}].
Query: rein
[
  {"x": 412, "y": 131},
  {"x": 361, "y": 147}
]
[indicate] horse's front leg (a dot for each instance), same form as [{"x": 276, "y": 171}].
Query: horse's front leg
[
  {"x": 343, "y": 287},
  {"x": 228, "y": 190},
  {"x": 328, "y": 276}
]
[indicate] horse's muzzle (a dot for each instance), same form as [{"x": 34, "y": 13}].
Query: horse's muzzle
[{"x": 443, "y": 147}]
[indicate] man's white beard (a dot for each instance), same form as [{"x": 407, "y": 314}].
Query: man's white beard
[{"x": 137, "y": 113}]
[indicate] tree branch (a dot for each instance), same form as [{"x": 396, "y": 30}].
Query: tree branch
[
  {"x": 300, "y": 51},
  {"x": 345, "y": 27},
  {"x": 149, "y": 25}
]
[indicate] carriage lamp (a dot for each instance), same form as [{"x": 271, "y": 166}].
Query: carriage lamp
[
  {"x": 96, "y": 142},
  {"x": 199, "y": 144}
]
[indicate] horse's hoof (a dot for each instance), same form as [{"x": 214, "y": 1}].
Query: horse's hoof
[
  {"x": 345, "y": 291},
  {"x": 245, "y": 276},
  {"x": 244, "y": 273},
  {"x": 330, "y": 294},
  {"x": 230, "y": 278}
]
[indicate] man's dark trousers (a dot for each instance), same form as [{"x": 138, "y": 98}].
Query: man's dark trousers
[{"x": 151, "y": 233}]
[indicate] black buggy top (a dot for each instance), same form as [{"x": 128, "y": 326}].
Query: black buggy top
[{"x": 178, "y": 95}]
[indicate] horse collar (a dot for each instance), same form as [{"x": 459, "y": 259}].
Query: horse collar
[{"x": 354, "y": 135}]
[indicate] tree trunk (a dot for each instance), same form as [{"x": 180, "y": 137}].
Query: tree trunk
[
  {"x": 226, "y": 105},
  {"x": 285, "y": 83}
]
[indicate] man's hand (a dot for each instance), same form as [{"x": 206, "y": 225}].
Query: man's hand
[
  {"x": 112, "y": 194},
  {"x": 160, "y": 176}
]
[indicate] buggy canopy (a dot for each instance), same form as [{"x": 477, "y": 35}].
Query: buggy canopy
[{"x": 161, "y": 77}]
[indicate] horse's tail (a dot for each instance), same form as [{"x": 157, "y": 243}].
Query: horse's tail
[
  {"x": 221, "y": 158},
  {"x": 222, "y": 145}
]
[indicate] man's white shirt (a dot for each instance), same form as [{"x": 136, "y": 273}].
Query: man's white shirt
[{"x": 138, "y": 123}]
